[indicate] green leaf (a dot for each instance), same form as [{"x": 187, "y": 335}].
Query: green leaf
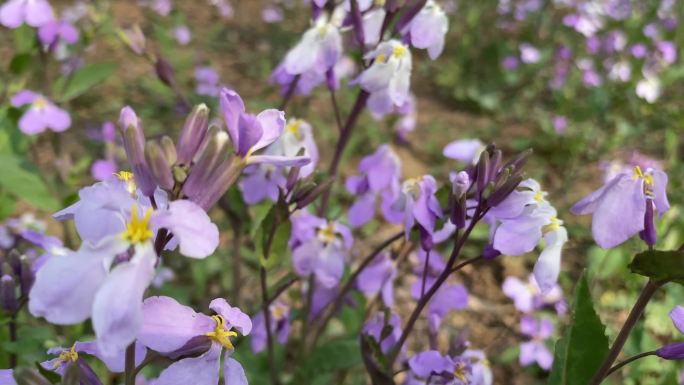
[
  {"x": 71, "y": 86},
  {"x": 584, "y": 346},
  {"x": 333, "y": 356},
  {"x": 259, "y": 213},
  {"x": 20, "y": 63},
  {"x": 279, "y": 250},
  {"x": 22, "y": 180},
  {"x": 24, "y": 38},
  {"x": 661, "y": 266}
]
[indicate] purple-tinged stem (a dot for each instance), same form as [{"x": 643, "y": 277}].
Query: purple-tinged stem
[
  {"x": 634, "y": 315},
  {"x": 336, "y": 108},
  {"x": 630, "y": 360},
  {"x": 425, "y": 272},
  {"x": 265, "y": 306},
  {"x": 129, "y": 375},
  {"x": 433, "y": 289},
  {"x": 290, "y": 91}
]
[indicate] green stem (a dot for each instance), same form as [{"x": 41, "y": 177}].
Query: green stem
[{"x": 630, "y": 360}]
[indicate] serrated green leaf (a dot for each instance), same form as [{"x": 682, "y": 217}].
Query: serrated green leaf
[
  {"x": 580, "y": 352},
  {"x": 70, "y": 86},
  {"x": 22, "y": 180},
  {"x": 660, "y": 266}
]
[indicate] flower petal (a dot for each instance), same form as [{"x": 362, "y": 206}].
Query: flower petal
[{"x": 198, "y": 236}]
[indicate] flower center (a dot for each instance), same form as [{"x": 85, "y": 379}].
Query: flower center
[
  {"x": 39, "y": 103},
  {"x": 128, "y": 177},
  {"x": 647, "y": 178},
  {"x": 399, "y": 51},
  {"x": 278, "y": 312},
  {"x": 554, "y": 225},
  {"x": 66, "y": 356},
  {"x": 460, "y": 372},
  {"x": 220, "y": 334},
  {"x": 412, "y": 187},
  {"x": 138, "y": 229},
  {"x": 293, "y": 128},
  {"x": 327, "y": 234}
]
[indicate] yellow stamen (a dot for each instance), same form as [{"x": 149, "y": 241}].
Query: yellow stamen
[
  {"x": 294, "y": 128},
  {"x": 138, "y": 230},
  {"x": 220, "y": 334},
  {"x": 129, "y": 178},
  {"x": 399, "y": 51},
  {"x": 554, "y": 225},
  {"x": 278, "y": 312},
  {"x": 539, "y": 197},
  {"x": 327, "y": 234},
  {"x": 638, "y": 174},
  {"x": 381, "y": 58},
  {"x": 39, "y": 102},
  {"x": 460, "y": 372},
  {"x": 65, "y": 357},
  {"x": 379, "y": 3}
]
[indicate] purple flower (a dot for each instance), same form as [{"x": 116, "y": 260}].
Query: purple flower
[
  {"x": 103, "y": 169},
  {"x": 372, "y": 24},
  {"x": 54, "y": 30},
  {"x": 320, "y": 248},
  {"x": 639, "y": 50},
  {"x": 428, "y": 29},
  {"x": 375, "y": 326},
  {"x": 529, "y": 54},
  {"x": 527, "y": 296},
  {"x": 407, "y": 121},
  {"x": 250, "y": 133},
  {"x": 207, "y": 81},
  {"x": 182, "y": 35},
  {"x": 388, "y": 79},
  {"x": 449, "y": 297},
  {"x": 535, "y": 350},
  {"x": 41, "y": 115},
  {"x": 416, "y": 204},
  {"x": 560, "y": 124},
  {"x": 378, "y": 278},
  {"x": 510, "y": 63},
  {"x": 674, "y": 351},
  {"x": 66, "y": 356},
  {"x": 32, "y": 12},
  {"x": 7, "y": 377},
  {"x": 624, "y": 206},
  {"x": 319, "y": 49},
  {"x": 280, "y": 326},
  {"x": 272, "y": 14},
  {"x": 380, "y": 174},
  {"x": 465, "y": 150},
  {"x": 481, "y": 372},
  {"x": 170, "y": 327},
  {"x": 438, "y": 369},
  {"x": 106, "y": 280}
]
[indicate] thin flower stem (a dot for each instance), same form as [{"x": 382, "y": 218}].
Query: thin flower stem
[
  {"x": 630, "y": 360},
  {"x": 290, "y": 91},
  {"x": 265, "y": 305},
  {"x": 425, "y": 272},
  {"x": 280, "y": 290},
  {"x": 466, "y": 263},
  {"x": 12, "y": 326},
  {"x": 336, "y": 108},
  {"x": 634, "y": 315},
  {"x": 129, "y": 375},
  {"x": 433, "y": 289},
  {"x": 345, "y": 134},
  {"x": 339, "y": 299}
]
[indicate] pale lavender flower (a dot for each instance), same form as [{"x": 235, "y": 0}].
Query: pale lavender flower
[
  {"x": 7, "y": 377},
  {"x": 428, "y": 29},
  {"x": 319, "y": 49},
  {"x": 66, "y": 356},
  {"x": 379, "y": 176},
  {"x": 162, "y": 7},
  {"x": 560, "y": 124},
  {"x": 481, "y": 372},
  {"x": 208, "y": 82},
  {"x": 261, "y": 182},
  {"x": 465, "y": 150},
  {"x": 639, "y": 51},
  {"x": 378, "y": 278},
  {"x": 388, "y": 79},
  {"x": 510, "y": 62},
  {"x": 441, "y": 370},
  {"x": 320, "y": 248},
  {"x": 280, "y": 326},
  {"x": 625, "y": 205},
  {"x": 103, "y": 169},
  {"x": 41, "y": 115},
  {"x": 169, "y": 328},
  {"x": 674, "y": 351},
  {"x": 55, "y": 30},
  {"x": 535, "y": 350},
  {"x": 377, "y": 323},
  {"x": 272, "y": 14},
  {"x": 408, "y": 119},
  {"x": 416, "y": 204},
  {"x": 529, "y": 54},
  {"x": 183, "y": 35},
  {"x": 35, "y": 13},
  {"x": 224, "y": 8},
  {"x": 527, "y": 296}
]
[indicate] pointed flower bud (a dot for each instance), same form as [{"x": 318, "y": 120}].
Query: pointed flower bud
[
  {"x": 165, "y": 72},
  {"x": 483, "y": 171},
  {"x": 8, "y": 294},
  {"x": 315, "y": 193},
  {"x": 134, "y": 144},
  {"x": 169, "y": 149},
  {"x": 649, "y": 234},
  {"x": 26, "y": 277},
  {"x": 460, "y": 183},
  {"x": 212, "y": 158},
  {"x": 193, "y": 134},
  {"x": 159, "y": 165},
  {"x": 673, "y": 351}
]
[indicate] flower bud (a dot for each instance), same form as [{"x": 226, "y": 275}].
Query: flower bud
[
  {"x": 302, "y": 189},
  {"x": 8, "y": 294},
  {"x": 179, "y": 174},
  {"x": 357, "y": 21},
  {"x": 673, "y": 351},
  {"x": 315, "y": 193},
  {"x": 169, "y": 149},
  {"x": 165, "y": 72},
  {"x": 426, "y": 242},
  {"x": 134, "y": 39},
  {"x": 292, "y": 178},
  {"x": 458, "y": 213},
  {"x": 482, "y": 171},
  {"x": 490, "y": 252},
  {"x": 214, "y": 156},
  {"x": 648, "y": 234},
  {"x": 194, "y": 347},
  {"x": 495, "y": 163},
  {"x": 500, "y": 194},
  {"x": 14, "y": 262},
  {"x": 86, "y": 373},
  {"x": 134, "y": 144},
  {"x": 460, "y": 184},
  {"x": 193, "y": 134},
  {"x": 219, "y": 182},
  {"x": 26, "y": 277},
  {"x": 159, "y": 165},
  {"x": 519, "y": 161}
]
